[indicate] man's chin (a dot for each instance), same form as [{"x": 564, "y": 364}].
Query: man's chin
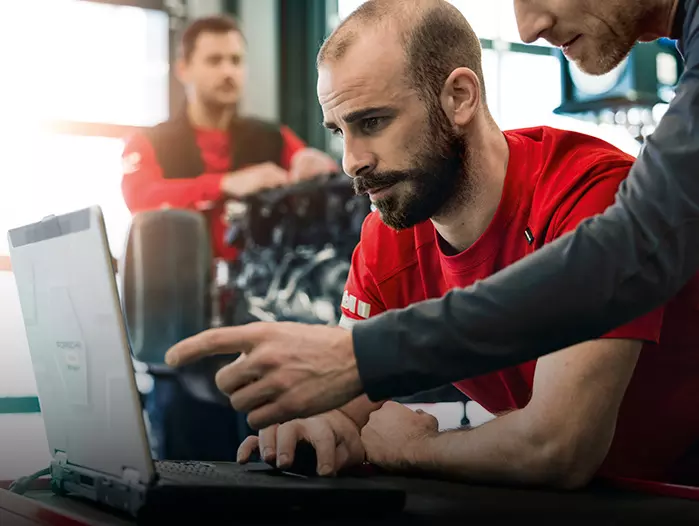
[
  {"x": 602, "y": 61},
  {"x": 390, "y": 218},
  {"x": 594, "y": 67},
  {"x": 226, "y": 102}
]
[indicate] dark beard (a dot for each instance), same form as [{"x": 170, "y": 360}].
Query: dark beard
[{"x": 438, "y": 180}]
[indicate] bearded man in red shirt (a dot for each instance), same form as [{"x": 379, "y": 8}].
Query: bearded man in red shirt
[{"x": 457, "y": 200}]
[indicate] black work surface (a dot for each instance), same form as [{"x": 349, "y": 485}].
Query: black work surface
[{"x": 429, "y": 502}]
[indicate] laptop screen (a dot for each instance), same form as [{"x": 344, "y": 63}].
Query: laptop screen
[{"x": 78, "y": 343}]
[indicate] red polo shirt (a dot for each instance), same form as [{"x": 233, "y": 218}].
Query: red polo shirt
[
  {"x": 144, "y": 187},
  {"x": 555, "y": 180}
]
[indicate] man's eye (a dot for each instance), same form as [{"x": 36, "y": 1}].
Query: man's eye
[
  {"x": 336, "y": 132},
  {"x": 371, "y": 124}
]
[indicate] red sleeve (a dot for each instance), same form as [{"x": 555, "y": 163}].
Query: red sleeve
[
  {"x": 361, "y": 298},
  {"x": 591, "y": 197},
  {"x": 144, "y": 187},
  {"x": 292, "y": 145}
]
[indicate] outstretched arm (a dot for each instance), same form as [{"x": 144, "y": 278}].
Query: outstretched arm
[{"x": 610, "y": 270}]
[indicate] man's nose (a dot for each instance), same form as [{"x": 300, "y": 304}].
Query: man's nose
[
  {"x": 229, "y": 68},
  {"x": 356, "y": 160},
  {"x": 532, "y": 21}
]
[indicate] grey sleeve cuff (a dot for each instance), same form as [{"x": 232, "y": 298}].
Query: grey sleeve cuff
[{"x": 376, "y": 349}]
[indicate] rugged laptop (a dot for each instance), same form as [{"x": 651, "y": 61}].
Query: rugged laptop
[{"x": 90, "y": 404}]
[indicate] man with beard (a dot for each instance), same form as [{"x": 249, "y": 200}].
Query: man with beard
[
  {"x": 458, "y": 200},
  {"x": 199, "y": 160},
  {"x": 642, "y": 251}
]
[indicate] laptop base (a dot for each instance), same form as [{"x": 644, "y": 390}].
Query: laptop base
[{"x": 209, "y": 492}]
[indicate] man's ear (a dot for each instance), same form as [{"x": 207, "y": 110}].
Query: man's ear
[
  {"x": 461, "y": 96},
  {"x": 182, "y": 71}
]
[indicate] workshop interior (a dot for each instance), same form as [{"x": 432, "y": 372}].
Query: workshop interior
[{"x": 82, "y": 77}]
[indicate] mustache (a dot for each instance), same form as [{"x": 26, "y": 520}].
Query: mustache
[
  {"x": 366, "y": 183},
  {"x": 227, "y": 84}
]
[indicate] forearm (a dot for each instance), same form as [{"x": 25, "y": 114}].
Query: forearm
[
  {"x": 503, "y": 451},
  {"x": 144, "y": 193},
  {"x": 612, "y": 269}
]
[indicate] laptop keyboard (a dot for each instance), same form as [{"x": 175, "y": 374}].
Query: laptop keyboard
[
  {"x": 191, "y": 471},
  {"x": 185, "y": 468}
]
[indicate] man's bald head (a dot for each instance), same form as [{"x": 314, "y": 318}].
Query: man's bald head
[{"x": 434, "y": 35}]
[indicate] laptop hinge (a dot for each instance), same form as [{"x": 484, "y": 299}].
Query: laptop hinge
[
  {"x": 59, "y": 468},
  {"x": 60, "y": 458},
  {"x": 131, "y": 476}
]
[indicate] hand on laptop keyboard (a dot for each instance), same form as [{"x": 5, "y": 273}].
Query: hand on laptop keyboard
[{"x": 322, "y": 445}]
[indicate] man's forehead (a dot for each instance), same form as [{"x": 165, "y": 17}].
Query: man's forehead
[
  {"x": 365, "y": 71},
  {"x": 210, "y": 42}
]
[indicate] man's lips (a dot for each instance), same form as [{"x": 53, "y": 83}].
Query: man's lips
[
  {"x": 377, "y": 192},
  {"x": 570, "y": 42}
]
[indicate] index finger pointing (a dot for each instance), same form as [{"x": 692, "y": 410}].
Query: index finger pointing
[{"x": 226, "y": 340}]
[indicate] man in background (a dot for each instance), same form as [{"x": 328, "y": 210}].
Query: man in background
[
  {"x": 198, "y": 160},
  {"x": 208, "y": 153}
]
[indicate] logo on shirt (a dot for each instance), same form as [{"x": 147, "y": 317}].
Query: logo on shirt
[{"x": 355, "y": 306}]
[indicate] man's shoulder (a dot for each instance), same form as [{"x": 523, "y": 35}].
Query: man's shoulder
[
  {"x": 563, "y": 162},
  {"x": 554, "y": 144},
  {"x": 139, "y": 141},
  {"x": 387, "y": 252}
]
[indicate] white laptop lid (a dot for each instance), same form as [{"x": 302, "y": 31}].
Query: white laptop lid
[{"x": 78, "y": 343}]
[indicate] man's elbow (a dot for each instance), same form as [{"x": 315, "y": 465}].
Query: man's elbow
[
  {"x": 567, "y": 467},
  {"x": 574, "y": 477}
]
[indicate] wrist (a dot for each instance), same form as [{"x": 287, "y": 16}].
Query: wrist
[
  {"x": 420, "y": 452},
  {"x": 237, "y": 185},
  {"x": 345, "y": 417}
]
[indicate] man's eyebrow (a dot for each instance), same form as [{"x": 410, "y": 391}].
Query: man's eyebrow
[{"x": 358, "y": 115}]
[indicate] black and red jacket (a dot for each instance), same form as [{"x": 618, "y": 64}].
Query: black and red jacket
[{"x": 176, "y": 165}]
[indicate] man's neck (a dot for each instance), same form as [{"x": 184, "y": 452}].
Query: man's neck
[
  {"x": 465, "y": 223},
  {"x": 203, "y": 116}
]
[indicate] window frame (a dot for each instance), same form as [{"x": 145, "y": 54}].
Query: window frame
[{"x": 159, "y": 5}]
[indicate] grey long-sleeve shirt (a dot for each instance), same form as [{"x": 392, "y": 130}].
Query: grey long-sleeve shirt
[{"x": 612, "y": 269}]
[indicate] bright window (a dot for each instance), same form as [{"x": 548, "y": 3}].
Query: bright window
[
  {"x": 491, "y": 75},
  {"x": 50, "y": 174},
  {"x": 483, "y": 19},
  {"x": 84, "y": 61},
  {"x": 54, "y": 174},
  {"x": 345, "y": 7},
  {"x": 81, "y": 62},
  {"x": 525, "y": 104}
]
